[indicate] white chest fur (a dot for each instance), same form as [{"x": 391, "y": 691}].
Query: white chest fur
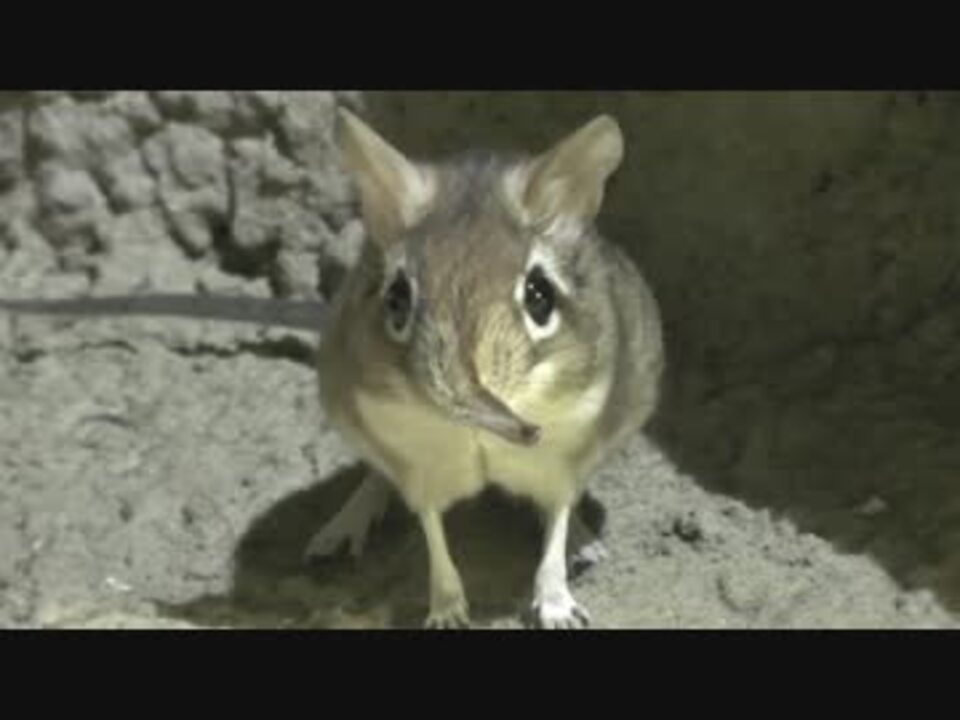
[
  {"x": 552, "y": 469},
  {"x": 433, "y": 460}
]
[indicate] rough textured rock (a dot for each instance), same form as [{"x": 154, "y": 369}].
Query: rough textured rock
[
  {"x": 166, "y": 473},
  {"x": 11, "y": 149}
]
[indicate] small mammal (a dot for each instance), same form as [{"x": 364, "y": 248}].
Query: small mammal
[{"x": 487, "y": 334}]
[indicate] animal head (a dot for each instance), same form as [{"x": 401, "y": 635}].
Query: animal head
[{"x": 487, "y": 284}]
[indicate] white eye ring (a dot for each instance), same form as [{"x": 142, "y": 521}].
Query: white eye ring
[
  {"x": 543, "y": 257},
  {"x": 542, "y": 332},
  {"x": 399, "y": 295},
  {"x": 535, "y": 331}
]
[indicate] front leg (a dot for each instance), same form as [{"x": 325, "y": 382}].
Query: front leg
[
  {"x": 554, "y": 607},
  {"x": 448, "y": 603}
]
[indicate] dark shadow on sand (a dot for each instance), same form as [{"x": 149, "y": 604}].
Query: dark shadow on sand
[{"x": 494, "y": 541}]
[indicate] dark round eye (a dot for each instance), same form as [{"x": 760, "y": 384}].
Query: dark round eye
[
  {"x": 539, "y": 297},
  {"x": 398, "y": 302}
]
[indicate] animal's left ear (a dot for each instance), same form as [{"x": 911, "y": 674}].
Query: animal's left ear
[{"x": 567, "y": 182}]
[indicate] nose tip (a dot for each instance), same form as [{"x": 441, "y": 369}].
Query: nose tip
[
  {"x": 490, "y": 413},
  {"x": 511, "y": 429},
  {"x": 529, "y": 434},
  {"x": 526, "y": 433}
]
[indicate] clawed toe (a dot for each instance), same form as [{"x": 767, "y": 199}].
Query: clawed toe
[
  {"x": 562, "y": 613},
  {"x": 452, "y": 620}
]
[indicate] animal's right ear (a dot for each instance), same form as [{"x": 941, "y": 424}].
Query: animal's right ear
[
  {"x": 566, "y": 184},
  {"x": 394, "y": 192}
]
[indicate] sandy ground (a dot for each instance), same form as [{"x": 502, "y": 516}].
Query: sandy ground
[
  {"x": 153, "y": 484},
  {"x": 168, "y": 473}
]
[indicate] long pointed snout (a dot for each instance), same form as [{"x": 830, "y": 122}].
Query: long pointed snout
[
  {"x": 487, "y": 411},
  {"x": 447, "y": 357}
]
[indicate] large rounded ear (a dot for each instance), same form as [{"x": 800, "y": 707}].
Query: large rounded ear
[
  {"x": 566, "y": 183},
  {"x": 394, "y": 192}
]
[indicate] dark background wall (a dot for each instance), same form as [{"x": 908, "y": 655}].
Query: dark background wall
[{"x": 804, "y": 246}]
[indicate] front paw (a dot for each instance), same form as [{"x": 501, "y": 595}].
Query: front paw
[
  {"x": 450, "y": 613},
  {"x": 559, "y": 611}
]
